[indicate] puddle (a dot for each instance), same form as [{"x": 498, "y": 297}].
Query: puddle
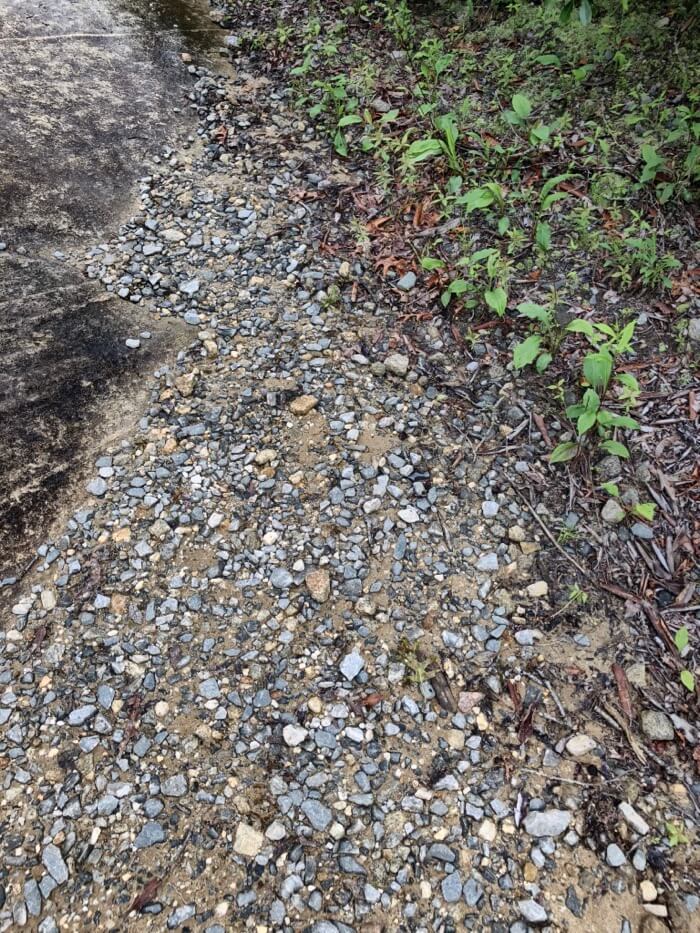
[{"x": 89, "y": 89}]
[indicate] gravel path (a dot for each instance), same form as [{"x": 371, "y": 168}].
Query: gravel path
[{"x": 276, "y": 671}]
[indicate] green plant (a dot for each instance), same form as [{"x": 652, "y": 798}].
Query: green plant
[
  {"x": 433, "y": 60},
  {"x": 485, "y": 269},
  {"x": 681, "y": 640},
  {"x": 481, "y": 198},
  {"x": 543, "y": 342},
  {"x": 419, "y": 668},
  {"x": 645, "y": 510},
  {"x": 520, "y": 117},
  {"x": 598, "y": 366},
  {"x": 675, "y": 833},
  {"x": 577, "y": 595},
  {"x": 653, "y": 268},
  {"x": 429, "y": 147},
  {"x": 628, "y": 390},
  {"x": 589, "y": 414},
  {"x": 399, "y": 21}
]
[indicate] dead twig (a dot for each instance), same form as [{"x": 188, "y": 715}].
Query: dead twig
[{"x": 551, "y": 537}]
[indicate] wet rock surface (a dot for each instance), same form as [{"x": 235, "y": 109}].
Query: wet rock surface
[
  {"x": 267, "y": 675},
  {"x": 70, "y": 159}
]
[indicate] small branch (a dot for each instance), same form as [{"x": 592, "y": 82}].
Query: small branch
[{"x": 551, "y": 536}]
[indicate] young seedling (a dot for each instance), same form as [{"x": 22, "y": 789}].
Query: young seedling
[{"x": 681, "y": 640}]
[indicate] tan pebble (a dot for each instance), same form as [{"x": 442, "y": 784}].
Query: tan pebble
[
  {"x": 318, "y": 583},
  {"x": 267, "y": 455},
  {"x": 648, "y": 891},
  {"x": 48, "y": 599},
  {"x": 482, "y": 722},
  {"x": 162, "y": 709},
  {"x": 488, "y": 831},
  {"x": 516, "y": 533},
  {"x": 315, "y": 705},
  {"x": 530, "y": 872},
  {"x": 455, "y": 738},
  {"x": 185, "y": 384},
  {"x": 122, "y": 535},
  {"x": 303, "y": 405},
  {"x": 540, "y": 588}
]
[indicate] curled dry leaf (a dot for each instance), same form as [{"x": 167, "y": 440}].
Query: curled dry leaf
[
  {"x": 623, "y": 689},
  {"x": 147, "y": 895}
]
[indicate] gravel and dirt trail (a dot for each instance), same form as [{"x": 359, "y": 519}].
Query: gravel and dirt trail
[{"x": 292, "y": 661}]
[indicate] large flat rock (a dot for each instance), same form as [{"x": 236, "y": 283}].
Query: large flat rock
[
  {"x": 90, "y": 90},
  {"x": 68, "y": 382}
]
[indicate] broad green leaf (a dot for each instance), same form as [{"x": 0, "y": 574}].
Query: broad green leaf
[
  {"x": 597, "y": 368},
  {"x": 612, "y": 489},
  {"x": 548, "y": 60},
  {"x": 628, "y": 381},
  {"x": 580, "y": 326},
  {"x": 665, "y": 192},
  {"x": 585, "y": 13},
  {"x": 566, "y": 12},
  {"x": 521, "y": 105},
  {"x": 651, "y": 156},
  {"x": 503, "y": 225},
  {"x": 542, "y": 132},
  {"x": 477, "y": 199},
  {"x": 682, "y": 638},
  {"x": 497, "y": 300},
  {"x": 552, "y": 199},
  {"x": 482, "y": 254},
  {"x": 605, "y": 329},
  {"x": 552, "y": 183},
  {"x": 543, "y": 235},
  {"x": 543, "y": 361},
  {"x": 625, "y": 339},
  {"x": 349, "y": 119},
  {"x": 340, "y": 143},
  {"x": 608, "y": 420},
  {"x": 526, "y": 351},
  {"x": 458, "y": 287},
  {"x": 389, "y": 117},
  {"x": 688, "y": 680},
  {"x": 423, "y": 149},
  {"x": 430, "y": 262},
  {"x": 563, "y": 452},
  {"x": 645, "y": 510},
  {"x": 585, "y": 422},
  {"x": 534, "y": 311},
  {"x": 615, "y": 447},
  {"x": 591, "y": 400}
]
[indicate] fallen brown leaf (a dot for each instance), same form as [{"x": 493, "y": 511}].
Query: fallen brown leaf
[
  {"x": 147, "y": 895},
  {"x": 623, "y": 689}
]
